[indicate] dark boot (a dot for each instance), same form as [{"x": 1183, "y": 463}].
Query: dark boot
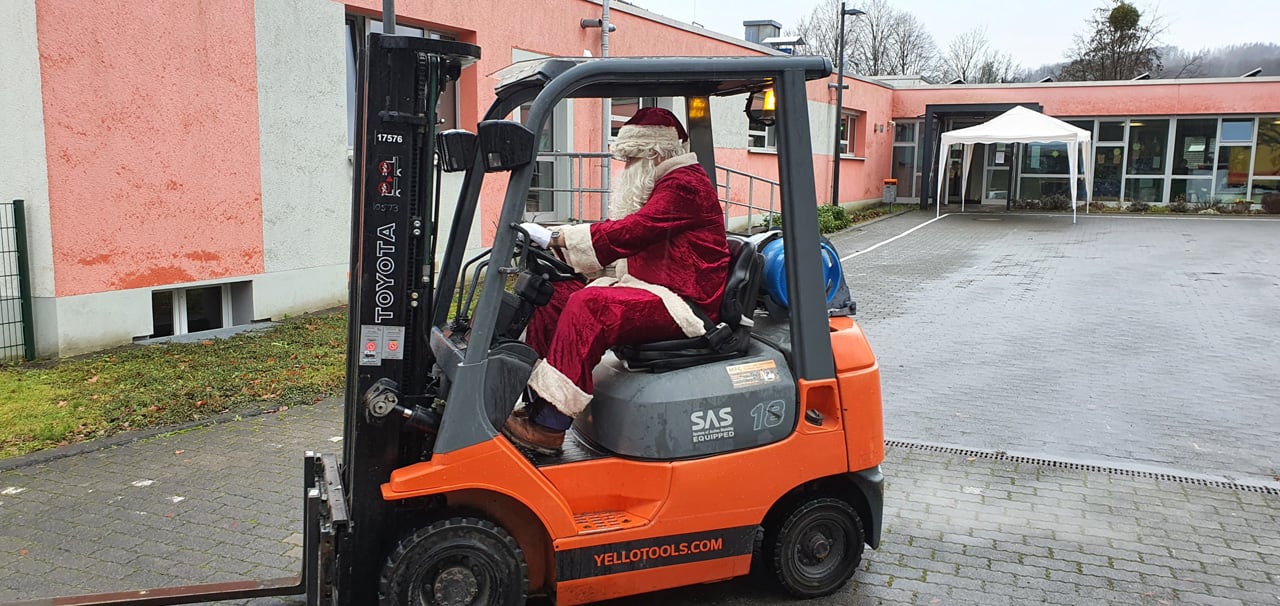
[{"x": 522, "y": 431}]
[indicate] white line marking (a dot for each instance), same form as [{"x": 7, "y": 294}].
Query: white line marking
[
  {"x": 867, "y": 250},
  {"x": 144, "y": 483}
]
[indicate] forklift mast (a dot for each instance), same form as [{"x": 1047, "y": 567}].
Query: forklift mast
[{"x": 395, "y": 213}]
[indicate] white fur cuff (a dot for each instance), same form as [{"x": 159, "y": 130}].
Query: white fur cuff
[
  {"x": 552, "y": 385},
  {"x": 578, "y": 249}
]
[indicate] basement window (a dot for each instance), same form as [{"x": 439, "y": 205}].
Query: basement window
[{"x": 183, "y": 311}]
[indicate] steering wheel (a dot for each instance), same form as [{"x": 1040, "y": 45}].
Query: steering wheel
[{"x": 540, "y": 261}]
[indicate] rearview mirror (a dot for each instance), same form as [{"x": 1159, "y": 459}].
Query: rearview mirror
[
  {"x": 457, "y": 150},
  {"x": 762, "y": 108},
  {"x": 506, "y": 145}
]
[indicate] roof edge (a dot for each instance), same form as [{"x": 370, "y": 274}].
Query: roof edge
[{"x": 636, "y": 11}]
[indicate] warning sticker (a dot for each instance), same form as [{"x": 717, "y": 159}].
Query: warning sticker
[
  {"x": 755, "y": 373},
  {"x": 378, "y": 343}
]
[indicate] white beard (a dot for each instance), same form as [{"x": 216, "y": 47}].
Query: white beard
[{"x": 634, "y": 186}]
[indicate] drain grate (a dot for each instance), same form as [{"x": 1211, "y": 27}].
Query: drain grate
[{"x": 1133, "y": 473}]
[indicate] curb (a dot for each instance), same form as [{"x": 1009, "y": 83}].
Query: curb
[
  {"x": 873, "y": 221},
  {"x": 42, "y": 457}
]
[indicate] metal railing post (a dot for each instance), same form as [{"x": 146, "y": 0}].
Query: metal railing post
[{"x": 24, "y": 280}]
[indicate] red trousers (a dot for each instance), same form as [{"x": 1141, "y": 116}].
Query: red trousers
[{"x": 574, "y": 330}]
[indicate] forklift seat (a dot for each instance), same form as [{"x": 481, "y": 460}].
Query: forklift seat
[{"x": 726, "y": 340}]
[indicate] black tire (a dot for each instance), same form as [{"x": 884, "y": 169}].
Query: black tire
[
  {"x": 456, "y": 562},
  {"x": 816, "y": 549}
]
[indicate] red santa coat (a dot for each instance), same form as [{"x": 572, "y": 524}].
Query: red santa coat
[{"x": 674, "y": 251}]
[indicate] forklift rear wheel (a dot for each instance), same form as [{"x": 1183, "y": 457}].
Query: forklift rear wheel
[
  {"x": 456, "y": 562},
  {"x": 817, "y": 548}
]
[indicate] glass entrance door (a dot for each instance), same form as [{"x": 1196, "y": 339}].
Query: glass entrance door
[{"x": 997, "y": 173}]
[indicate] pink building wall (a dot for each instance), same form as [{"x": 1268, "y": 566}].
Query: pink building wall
[
  {"x": 152, "y": 142},
  {"x": 551, "y": 30}
]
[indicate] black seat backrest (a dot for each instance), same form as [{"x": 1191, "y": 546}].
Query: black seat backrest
[{"x": 746, "y": 269}]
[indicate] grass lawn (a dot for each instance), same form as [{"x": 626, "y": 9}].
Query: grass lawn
[{"x": 53, "y": 403}]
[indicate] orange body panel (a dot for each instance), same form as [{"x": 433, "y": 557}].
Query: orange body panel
[
  {"x": 658, "y": 510},
  {"x": 494, "y": 466},
  {"x": 858, "y": 375}
]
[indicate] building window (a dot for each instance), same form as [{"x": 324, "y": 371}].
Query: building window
[
  {"x": 542, "y": 188},
  {"x": 1147, "y": 142},
  {"x": 191, "y": 310},
  {"x": 357, "y": 30},
  {"x": 762, "y": 137},
  {"x": 1266, "y": 163},
  {"x": 1237, "y": 131},
  {"x": 624, "y": 108},
  {"x": 848, "y": 133},
  {"x": 904, "y": 132},
  {"x": 1111, "y": 131},
  {"x": 906, "y": 159}
]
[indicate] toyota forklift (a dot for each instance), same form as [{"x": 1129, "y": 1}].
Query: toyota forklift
[{"x": 755, "y": 447}]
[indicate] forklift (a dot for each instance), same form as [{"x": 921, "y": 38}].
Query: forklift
[{"x": 755, "y": 448}]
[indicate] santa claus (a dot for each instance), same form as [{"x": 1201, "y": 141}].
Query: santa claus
[{"x": 666, "y": 233}]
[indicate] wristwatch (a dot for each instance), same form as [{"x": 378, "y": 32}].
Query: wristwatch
[{"x": 555, "y": 235}]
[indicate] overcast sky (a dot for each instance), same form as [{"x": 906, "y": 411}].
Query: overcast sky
[{"x": 1034, "y": 31}]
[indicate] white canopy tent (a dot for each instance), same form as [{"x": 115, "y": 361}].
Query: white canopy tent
[{"x": 1021, "y": 125}]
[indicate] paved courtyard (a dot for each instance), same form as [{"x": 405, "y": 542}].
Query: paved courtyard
[
  {"x": 1147, "y": 342},
  {"x": 1076, "y": 414}
]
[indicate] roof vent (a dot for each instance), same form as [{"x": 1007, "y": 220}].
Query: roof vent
[
  {"x": 1143, "y": 76},
  {"x": 1046, "y": 79},
  {"x": 1252, "y": 73}
]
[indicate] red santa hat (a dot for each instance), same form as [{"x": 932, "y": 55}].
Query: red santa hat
[{"x": 653, "y": 131}]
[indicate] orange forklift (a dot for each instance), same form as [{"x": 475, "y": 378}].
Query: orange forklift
[{"x": 754, "y": 447}]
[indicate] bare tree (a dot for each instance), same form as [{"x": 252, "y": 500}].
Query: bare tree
[
  {"x": 911, "y": 48},
  {"x": 1179, "y": 63},
  {"x": 970, "y": 58},
  {"x": 963, "y": 55},
  {"x": 885, "y": 41},
  {"x": 1121, "y": 45}
]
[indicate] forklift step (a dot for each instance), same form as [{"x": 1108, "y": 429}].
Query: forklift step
[
  {"x": 575, "y": 451},
  {"x": 606, "y": 521}
]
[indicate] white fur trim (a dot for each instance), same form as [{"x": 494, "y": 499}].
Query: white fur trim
[
  {"x": 680, "y": 161},
  {"x": 690, "y": 324},
  {"x": 578, "y": 250},
  {"x": 634, "y": 141},
  {"x": 620, "y": 268},
  {"x": 552, "y": 385}
]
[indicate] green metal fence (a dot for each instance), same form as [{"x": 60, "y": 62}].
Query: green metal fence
[{"x": 17, "y": 338}]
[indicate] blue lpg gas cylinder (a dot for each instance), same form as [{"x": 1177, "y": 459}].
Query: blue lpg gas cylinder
[{"x": 775, "y": 274}]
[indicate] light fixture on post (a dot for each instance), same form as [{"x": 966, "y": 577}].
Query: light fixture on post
[{"x": 835, "y": 171}]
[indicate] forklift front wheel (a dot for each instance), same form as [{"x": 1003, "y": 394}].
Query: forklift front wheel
[
  {"x": 457, "y": 562},
  {"x": 817, "y": 548}
]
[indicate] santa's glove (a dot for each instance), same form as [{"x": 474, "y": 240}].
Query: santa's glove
[{"x": 539, "y": 234}]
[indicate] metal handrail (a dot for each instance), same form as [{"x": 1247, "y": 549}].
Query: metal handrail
[
  {"x": 727, "y": 185},
  {"x": 727, "y": 179}
]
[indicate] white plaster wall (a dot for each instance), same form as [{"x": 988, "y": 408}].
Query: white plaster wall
[
  {"x": 85, "y": 323},
  {"x": 729, "y": 123},
  {"x": 24, "y": 172},
  {"x": 299, "y": 291},
  {"x": 302, "y": 117},
  {"x": 822, "y": 128}
]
